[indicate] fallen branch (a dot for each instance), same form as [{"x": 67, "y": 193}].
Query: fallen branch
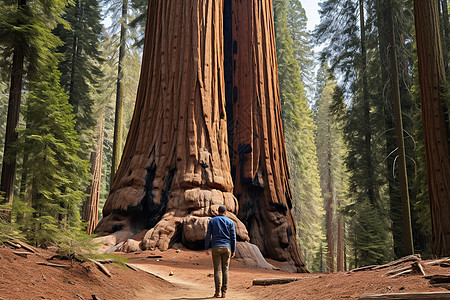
[
  {"x": 22, "y": 253},
  {"x": 365, "y": 268},
  {"x": 395, "y": 271},
  {"x": 53, "y": 265},
  {"x": 405, "y": 296},
  {"x": 270, "y": 281},
  {"x": 437, "y": 261},
  {"x": 132, "y": 267},
  {"x": 413, "y": 257},
  {"x": 26, "y": 246},
  {"x": 401, "y": 273},
  {"x": 418, "y": 267},
  {"x": 101, "y": 267},
  {"x": 13, "y": 245}
]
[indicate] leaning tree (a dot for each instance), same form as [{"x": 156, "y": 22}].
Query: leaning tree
[{"x": 175, "y": 169}]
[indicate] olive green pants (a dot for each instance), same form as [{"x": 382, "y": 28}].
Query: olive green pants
[{"x": 221, "y": 260}]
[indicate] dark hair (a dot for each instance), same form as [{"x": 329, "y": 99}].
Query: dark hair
[{"x": 222, "y": 209}]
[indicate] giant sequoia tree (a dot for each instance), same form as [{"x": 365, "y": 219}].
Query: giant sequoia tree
[
  {"x": 431, "y": 80},
  {"x": 175, "y": 169}
]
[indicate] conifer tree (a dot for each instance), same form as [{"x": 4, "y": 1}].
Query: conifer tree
[
  {"x": 331, "y": 152},
  {"x": 55, "y": 171},
  {"x": 299, "y": 135},
  {"x": 79, "y": 67},
  {"x": 25, "y": 28}
]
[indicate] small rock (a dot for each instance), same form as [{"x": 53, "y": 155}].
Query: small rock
[
  {"x": 43, "y": 277},
  {"x": 71, "y": 282},
  {"x": 210, "y": 275},
  {"x": 389, "y": 288},
  {"x": 401, "y": 288},
  {"x": 171, "y": 273},
  {"x": 178, "y": 251}
]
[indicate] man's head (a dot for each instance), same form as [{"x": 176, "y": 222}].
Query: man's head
[{"x": 222, "y": 209}]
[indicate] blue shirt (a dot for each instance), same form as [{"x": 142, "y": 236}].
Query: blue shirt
[{"x": 223, "y": 233}]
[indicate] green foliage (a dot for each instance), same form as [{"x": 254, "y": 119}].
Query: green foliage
[
  {"x": 331, "y": 152},
  {"x": 299, "y": 138},
  {"x": 80, "y": 68},
  {"x": 30, "y": 25},
  {"x": 55, "y": 173}
]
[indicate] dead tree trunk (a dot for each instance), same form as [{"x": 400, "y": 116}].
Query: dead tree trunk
[
  {"x": 259, "y": 165},
  {"x": 431, "y": 80},
  {"x": 175, "y": 168},
  {"x": 90, "y": 206}
]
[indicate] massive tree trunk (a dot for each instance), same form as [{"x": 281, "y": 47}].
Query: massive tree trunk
[
  {"x": 259, "y": 165},
  {"x": 431, "y": 80},
  {"x": 175, "y": 169}
]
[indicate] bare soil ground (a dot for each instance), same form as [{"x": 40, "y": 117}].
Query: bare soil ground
[{"x": 22, "y": 278}]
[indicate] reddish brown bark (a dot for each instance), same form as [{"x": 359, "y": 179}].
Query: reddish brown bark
[
  {"x": 90, "y": 206},
  {"x": 175, "y": 168},
  {"x": 340, "y": 246},
  {"x": 259, "y": 164},
  {"x": 431, "y": 80},
  {"x": 9, "y": 157}
]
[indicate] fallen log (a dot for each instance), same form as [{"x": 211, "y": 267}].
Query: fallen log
[
  {"x": 365, "y": 268},
  {"x": 101, "y": 267},
  {"x": 413, "y": 257},
  {"x": 27, "y": 247},
  {"x": 53, "y": 265},
  {"x": 22, "y": 253},
  {"x": 437, "y": 261},
  {"x": 438, "y": 278},
  {"x": 270, "y": 281},
  {"x": 406, "y": 296},
  {"x": 395, "y": 271}
]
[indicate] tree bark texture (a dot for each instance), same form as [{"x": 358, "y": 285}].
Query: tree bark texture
[
  {"x": 431, "y": 80},
  {"x": 9, "y": 157},
  {"x": 118, "y": 120},
  {"x": 408, "y": 247},
  {"x": 258, "y": 157},
  {"x": 90, "y": 206},
  {"x": 175, "y": 168}
]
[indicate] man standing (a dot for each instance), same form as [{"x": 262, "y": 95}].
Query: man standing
[{"x": 221, "y": 235}]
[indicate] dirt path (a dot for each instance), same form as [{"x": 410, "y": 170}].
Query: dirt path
[{"x": 185, "y": 287}]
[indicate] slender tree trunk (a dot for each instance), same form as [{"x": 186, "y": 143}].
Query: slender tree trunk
[
  {"x": 259, "y": 165},
  {"x": 118, "y": 124},
  {"x": 408, "y": 247},
  {"x": 431, "y": 80},
  {"x": 340, "y": 245},
  {"x": 329, "y": 210},
  {"x": 366, "y": 108},
  {"x": 394, "y": 197},
  {"x": 90, "y": 206},
  {"x": 72, "y": 101},
  {"x": 446, "y": 33},
  {"x": 9, "y": 156}
]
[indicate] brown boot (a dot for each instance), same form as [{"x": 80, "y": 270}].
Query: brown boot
[
  {"x": 223, "y": 294},
  {"x": 216, "y": 294}
]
